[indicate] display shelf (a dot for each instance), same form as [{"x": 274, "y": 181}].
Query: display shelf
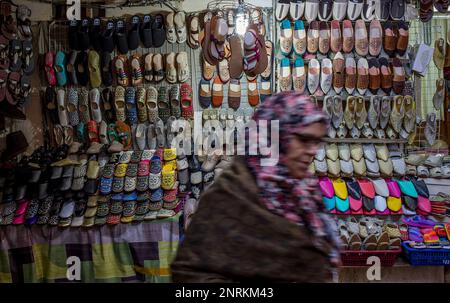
[{"x": 365, "y": 140}]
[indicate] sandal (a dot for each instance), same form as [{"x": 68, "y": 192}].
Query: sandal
[
  {"x": 236, "y": 60},
  {"x": 182, "y": 67},
  {"x": 158, "y": 69},
  {"x": 148, "y": 64},
  {"x": 121, "y": 73},
  {"x": 136, "y": 78}
]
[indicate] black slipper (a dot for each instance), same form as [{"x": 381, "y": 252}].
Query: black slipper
[
  {"x": 158, "y": 31},
  {"x": 106, "y": 69},
  {"x": 83, "y": 35},
  {"x": 398, "y": 8},
  {"x": 15, "y": 53},
  {"x": 146, "y": 31},
  {"x": 383, "y": 9},
  {"x": 50, "y": 104},
  {"x": 81, "y": 65},
  {"x": 73, "y": 35},
  {"x": 108, "y": 37},
  {"x": 71, "y": 68},
  {"x": 27, "y": 57},
  {"x": 121, "y": 37},
  {"x": 11, "y": 111},
  {"x": 133, "y": 33},
  {"x": 107, "y": 101},
  {"x": 95, "y": 34},
  {"x": 25, "y": 89}
]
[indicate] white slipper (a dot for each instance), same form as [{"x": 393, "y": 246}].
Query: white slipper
[
  {"x": 296, "y": 9},
  {"x": 94, "y": 101},
  {"x": 339, "y": 9},
  {"x": 282, "y": 9},
  {"x": 313, "y": 75},
  {"x": 326, "y": 75},
  {"x": 182, "y": 67},
  {"x": 368, "y": 12},
  {"x": 180, "y": 25},
  {"x": 325, "y": 10},
  {"x": 171, "y": 35},
  {"x": 311, "y": 10},
  {"x": 354, "y": 9},
  {"x": 171, "y": 71}
]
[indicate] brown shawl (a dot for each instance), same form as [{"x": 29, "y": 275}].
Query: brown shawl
[{"x": 234, "y": 238}]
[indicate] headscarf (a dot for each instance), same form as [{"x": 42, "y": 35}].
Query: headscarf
[{"x": 297, "y": 200}]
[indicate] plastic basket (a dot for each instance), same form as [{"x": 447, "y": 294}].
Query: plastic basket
[
  {"x": 359, "y": 258},
  {"x": 427, "y": 256}
]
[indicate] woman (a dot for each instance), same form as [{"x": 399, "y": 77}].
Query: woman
[{"x": 265, "y": 223}]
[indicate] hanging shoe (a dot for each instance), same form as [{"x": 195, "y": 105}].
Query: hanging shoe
[
  {"x": 385, "y": 112},
  {"x": 431, "y": 128},
  {"x": 374, "y": 111}
]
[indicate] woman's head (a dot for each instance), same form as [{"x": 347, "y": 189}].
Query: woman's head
[{"x": 302, "y": 125}]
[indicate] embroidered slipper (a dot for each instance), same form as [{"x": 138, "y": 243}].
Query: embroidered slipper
[
  {"x": 313, "y": 37},
  {"x": 324, "y": 37},
  {"x": 348, "y": 36},
  {"x": 121, "y": 70},
  {"x": 338, "y": 72},
  {"x": 361, "y": 38},
  {"x": 339, "y": 9},
  {"x": 217, "y": 92},
  {"x": 145, "y": 31},
  {"x": 141, "y": 105},
  {"x": 363, "y": 76},
  {"x": 174, "y": 94},
  {"x": 205, "y": 95},
  {"x": 286, "y": 37},
  {"x": 326, "y": 75},
  {"x": 284, "y": 78},
  {"x": 163, "y": 103},
  {"x": 158, "y": 68},
  {"x": 119, "y": 103},
  {"x": 182, "y": 67},
  {"x": 151, "y": 103},
  {"x": 299, "y": 38},
  {"x": 299, "y": 75},
  {"x": 336, "y": 36},
  {"x": 186, "y": 101},
  {"x": 136, "y": 70},
  {"x": 375, "y": 38},
  {"x": 313, "y": 76}
]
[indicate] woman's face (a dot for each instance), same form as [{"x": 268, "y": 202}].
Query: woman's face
[{"x": 302, "y": 149}]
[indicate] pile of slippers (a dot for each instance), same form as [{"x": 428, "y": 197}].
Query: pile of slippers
[
  {"x": 383, "y": 117},
  {"x": 119, "y": 120},
  {"x": 17, "y": 61},
  {"x": 234, "y": 57},
  {"x": 88, "y": 190},
  {"x": 429, "y": 166},
  {"x": 94, "y": 69},
  {"x": 440, "y": 204},
  {"x": 383, "y": 72},
  {"x": 326, "y": 10},
  {"x": 368, "y": 233},
  {"x": 361, "y": 160},
  {"x": 426, "y": 233},
  {"x": 379, "y": 196}
]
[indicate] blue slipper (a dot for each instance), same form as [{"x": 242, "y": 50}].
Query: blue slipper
[
  {"x": 407, "y": 188},
  {"x": 342, "y": 205},
  {"x": 330, "y": 203},
  {"x": 60, "y": 68}
]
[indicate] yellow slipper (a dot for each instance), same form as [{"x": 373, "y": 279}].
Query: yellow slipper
[
  {"x": 121, "y": 170},
  {"x": 169, "y": 175},
  {"x": 340, "y": 189}
]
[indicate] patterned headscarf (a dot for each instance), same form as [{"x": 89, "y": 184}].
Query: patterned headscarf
[{"x": 297, "y": 200}]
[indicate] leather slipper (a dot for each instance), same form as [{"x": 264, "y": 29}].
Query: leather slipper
[
  {"x": 338, "y": 72},
  {"x": 236, "y": 59},
  {"x": 403, "y": 38},
  {"x": 374, "y": 75},
  {"x": 217, "y": 92},
  {"x": 363, "y": 76},
  {"x": 375, "y": 38},
  {"x": 82, "y": 68},
  {"x": 361, "y": 38},
  {"x": 158, "y": 68},
  {"x": 350, "y": 75},
  {"x": 299, "y": 39},
  {"x": 234, "y": 94},
  {"x": 296, "y": 9},
  {"x": 136, "y": 70},
  {"x": 325, "y": 10},
  {"x": 282, "y": 9},
  {"x": 284, "y": 75},
  {"x": 193, "y": 32},
  {"x": 348, "y": 36},
  {"x": 83, "y": 35},
  {"x": 205, "y": 95},
  {"x": 120, "y": 67},
  {"x": 399, "y": 76},
  {"x": 326, "y": 75},
  {"x": 313, "y": 37},
  {"x": 339, "y": 9},
  {"x": 180, "y": 26},
  {"x": 148, "y": 67},
  {"x": 106, "y": 69},
  {"x": 390, "y": 38},
  {"x": 252, "y": 92},
  {"x": 398, "y": 8},
  {"x": 313, "y": 76},
  {"x": 299, "y": 75},
  {"x": 382, "y": 10},
  {"x": 336, "y": 36},
  {"x": 286, "y": 37},
  {"x": 386, "y": 75},
  {"x": 324, "y": 37},
  {"x": 311, "y": 10},
  {"x": 267, "y": 73},
  {"x": 95, "y": 34},
  {"x": 73, "y": 35}
]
